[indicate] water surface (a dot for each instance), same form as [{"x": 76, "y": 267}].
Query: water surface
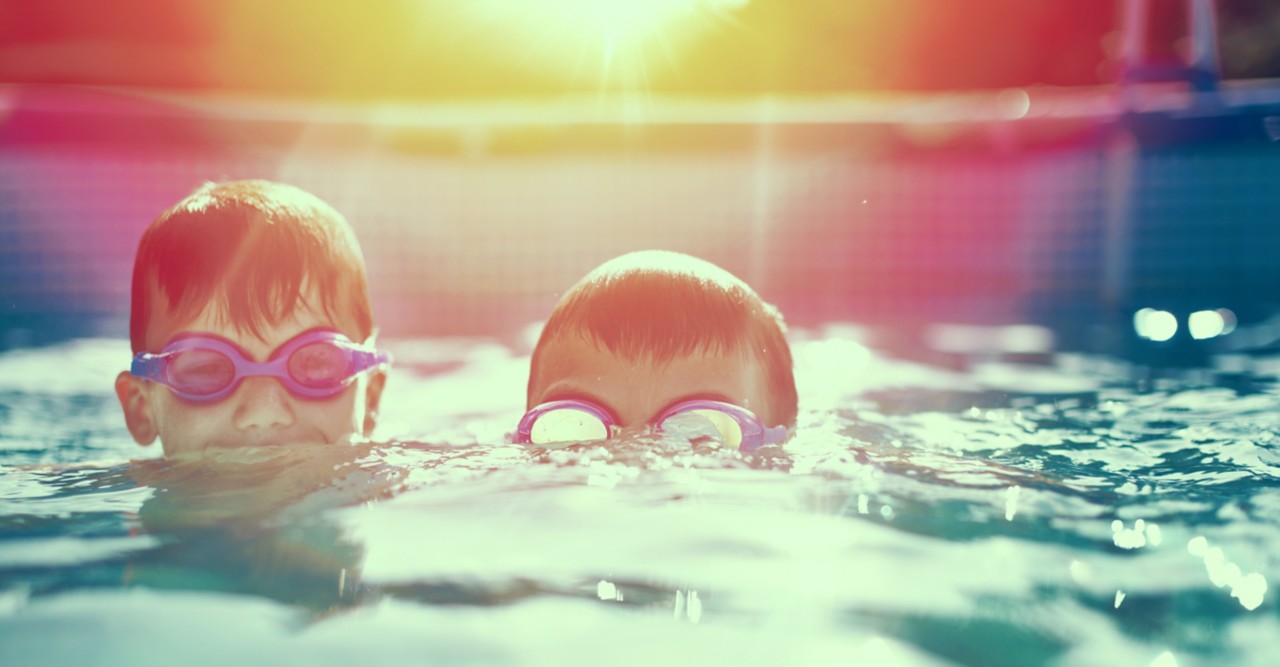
[{"x": 1078, "y": 512}]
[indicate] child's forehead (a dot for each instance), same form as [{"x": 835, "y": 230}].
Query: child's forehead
[
  {"x": 635, "y": 387},
  {"x": 570, "y": 352},
  {"x": 216, "y": 316}
]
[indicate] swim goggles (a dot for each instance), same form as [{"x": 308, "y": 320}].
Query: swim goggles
[
  {"x": 573, "y": 420},
  {"x": 204, "y": 368}
]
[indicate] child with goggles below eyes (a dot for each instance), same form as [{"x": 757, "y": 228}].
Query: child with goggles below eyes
[
  {"x": 666, "y": 341},
  {"x": 250, "y": 324}
]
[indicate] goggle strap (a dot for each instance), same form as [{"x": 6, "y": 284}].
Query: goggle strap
[
  {"x": 775, "y": 434},
  {"x": 366, "y": 360},
  {"x": 147, "y": 365}
]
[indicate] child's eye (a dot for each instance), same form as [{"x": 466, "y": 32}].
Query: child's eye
[
  {"x": 201, "y": 371},
  {"x": 318, "y": 365}
]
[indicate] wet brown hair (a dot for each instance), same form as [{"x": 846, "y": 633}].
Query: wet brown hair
[
  {"x": 661, "y": 306},
  {"x": 251, "y": 247}
]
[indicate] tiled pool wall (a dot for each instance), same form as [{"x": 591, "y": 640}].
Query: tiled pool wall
[{"x": 481, "y": 242}]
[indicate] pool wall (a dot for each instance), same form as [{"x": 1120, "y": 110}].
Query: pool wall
[{"x": 474, "y": 226}]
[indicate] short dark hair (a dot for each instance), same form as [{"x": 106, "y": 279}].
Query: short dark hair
[
  {"x": 251, "y": 246},
  {"x": 660, "y": 306}
]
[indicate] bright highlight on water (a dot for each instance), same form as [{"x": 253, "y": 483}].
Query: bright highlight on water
[{"x": 903, "y": 526}]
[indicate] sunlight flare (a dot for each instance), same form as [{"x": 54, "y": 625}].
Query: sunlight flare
[{"x": 616, "y": 41}]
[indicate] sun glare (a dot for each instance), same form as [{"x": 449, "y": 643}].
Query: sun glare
[{"x": 613, "y": 42}]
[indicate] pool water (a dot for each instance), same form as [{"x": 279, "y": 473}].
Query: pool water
[{"x": 1076, "y": 512}]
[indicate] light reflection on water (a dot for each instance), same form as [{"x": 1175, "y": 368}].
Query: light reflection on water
[{"x": 920, "y": 516}]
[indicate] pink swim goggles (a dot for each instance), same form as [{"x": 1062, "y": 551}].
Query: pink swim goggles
[
  {"x": 204, "y": 368},
  {"x": 573, "y": 420}
]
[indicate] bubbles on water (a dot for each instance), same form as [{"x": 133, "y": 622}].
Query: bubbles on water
[
  {"x": 688, "y": 606},
  {"x": 1129, "y": 538},
  {"x": 1156, "y": 325},
  {"x": 1249, "y": 589},
  {"x": 608, "y": 476},
  {"x": 1142, "y": 534},
  {"x": 1011, "y": 502},
  {"x": 1204, "y": 324},
  {"x": 607, "y": 590},
  {"x": 1129, "y": 488}
]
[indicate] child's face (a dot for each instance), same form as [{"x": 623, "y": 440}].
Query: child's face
[
  {"x": 260, "y": 412},
  {"x": 638, "y": 391}
]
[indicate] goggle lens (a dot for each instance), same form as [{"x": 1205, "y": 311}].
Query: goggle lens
[
  {"x": 570, "y": 424},
  {"x": 201, "y": 372},
  {"x": 706, "y": 422},
  {"x": 319, "y": 365},
  {"x": 567, "y": 425}
]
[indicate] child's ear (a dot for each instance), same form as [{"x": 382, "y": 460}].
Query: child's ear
[
  {"x": 138, "y": 415},
  {"x": 372, "y": 397}
]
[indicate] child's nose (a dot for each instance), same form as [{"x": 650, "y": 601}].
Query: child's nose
[{"x": 263, "y": 403}]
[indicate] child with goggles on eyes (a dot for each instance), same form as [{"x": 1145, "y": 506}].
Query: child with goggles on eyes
[
  {"x": 250, "y": 324},
  {"x": 665, "y": 341}
]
